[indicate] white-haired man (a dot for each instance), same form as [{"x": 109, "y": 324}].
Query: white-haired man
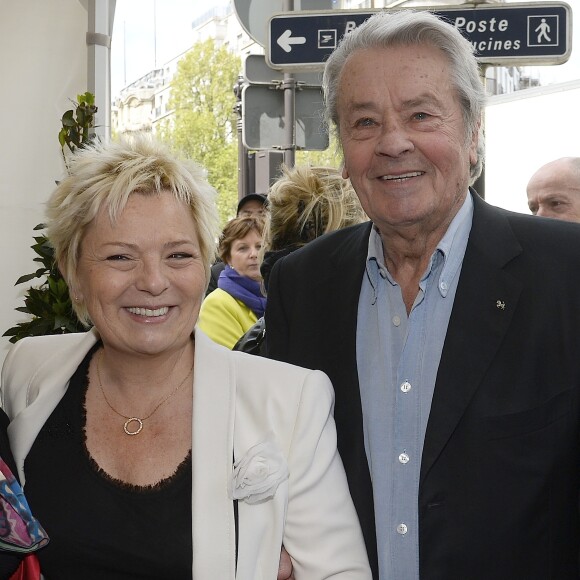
[{"x": 448, "y": 327}]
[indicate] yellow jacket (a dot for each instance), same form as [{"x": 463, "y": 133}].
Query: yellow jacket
[{"x": 224, "y": 319}]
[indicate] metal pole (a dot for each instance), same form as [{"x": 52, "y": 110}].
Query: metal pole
[
  {"x": 242, "y": 152},
  {"x": 479, "y": 184},
  {"x": 98, "y": 38},
  {"x": 289, "y": 86}
]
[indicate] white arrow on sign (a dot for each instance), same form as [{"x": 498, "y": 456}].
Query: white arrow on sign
[{"x": 285, "y": 41}]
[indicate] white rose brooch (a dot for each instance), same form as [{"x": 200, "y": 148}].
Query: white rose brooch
[{"x": 257, "y": 475}]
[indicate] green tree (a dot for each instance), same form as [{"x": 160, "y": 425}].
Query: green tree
[{"x": 204, "y": 124}]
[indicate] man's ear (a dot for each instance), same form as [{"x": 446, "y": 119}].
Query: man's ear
[{"x": 473, "y": 145}]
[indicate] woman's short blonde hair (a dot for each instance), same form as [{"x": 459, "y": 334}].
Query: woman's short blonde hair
[
  {"x": 105, "y": 176},
  {"x": 237, "y": 229},
  {"x": 306, "y": 202}
]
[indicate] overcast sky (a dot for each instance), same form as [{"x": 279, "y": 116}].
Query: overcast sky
[{"x": 148, "y": 33}]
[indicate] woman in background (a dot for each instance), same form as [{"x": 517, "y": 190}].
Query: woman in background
[
  {"x": 235, "y": 305},
  {"x": 305, "y": 203}
]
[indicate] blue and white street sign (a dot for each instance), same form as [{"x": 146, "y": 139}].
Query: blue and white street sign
[{"x": 507, "y": 34}]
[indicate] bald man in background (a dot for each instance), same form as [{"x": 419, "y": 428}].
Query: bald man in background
[{"x": 554, "y": 190}]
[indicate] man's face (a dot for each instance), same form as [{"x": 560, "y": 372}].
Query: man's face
[
  {"x": 252, "y": 208},
  {"x": 403, "y": 137},
  {"x": 554, "y": 191}
]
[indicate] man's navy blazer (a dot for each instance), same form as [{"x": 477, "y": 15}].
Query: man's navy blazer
[{"x": 500, "y": 471}]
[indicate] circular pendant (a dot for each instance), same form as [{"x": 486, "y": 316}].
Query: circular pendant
[{"x": 131, "y": 420}]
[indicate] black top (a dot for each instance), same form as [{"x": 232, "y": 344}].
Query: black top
[
  {"x": 217, "y": 268},
  {"x": 99, "y": 527}
]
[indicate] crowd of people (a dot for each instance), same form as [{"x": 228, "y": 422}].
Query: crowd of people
[{"x": 415, "y": 411}]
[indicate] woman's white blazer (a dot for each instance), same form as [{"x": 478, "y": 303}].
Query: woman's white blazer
[{"x": 239, "y": 402}]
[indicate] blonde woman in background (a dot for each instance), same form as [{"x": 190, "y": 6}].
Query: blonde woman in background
[{"x": 305, "y": 203}]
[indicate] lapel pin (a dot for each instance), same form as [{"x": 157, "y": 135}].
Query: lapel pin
[{"x": 500, "y": 304}]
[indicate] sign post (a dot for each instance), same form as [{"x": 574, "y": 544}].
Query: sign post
[
  {"x": 256, "y": 71},
  {"x": 507, "y": 34},
  {"x": 266, "y": 125}
]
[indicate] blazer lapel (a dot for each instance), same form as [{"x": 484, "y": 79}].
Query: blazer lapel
[
  {"x": 44, "y": 391},
  {"x": 213, "y": 529},
  {"x": 339, "y": 310},
  {"x": 347, "y": 264},
  {"x": 484, "y": 304},
  {"x": 345, "y": 272}
]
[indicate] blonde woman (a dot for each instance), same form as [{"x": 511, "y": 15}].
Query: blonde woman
[{"x": 147, "y": 450}]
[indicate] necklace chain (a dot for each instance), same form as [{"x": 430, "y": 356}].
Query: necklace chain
[{"x": 138, "y": 420}]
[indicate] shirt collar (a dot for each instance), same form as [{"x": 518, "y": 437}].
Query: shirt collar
[{"x": 450, "y": 249}]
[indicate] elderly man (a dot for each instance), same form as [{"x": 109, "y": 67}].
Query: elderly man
[
  {"x": 554, "y": 190},
  {"x": 448, "y": 329}
]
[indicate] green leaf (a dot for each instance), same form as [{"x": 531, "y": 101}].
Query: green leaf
[
  {"x": 62, "y": 287},
  {"x": 25, "y": 278},
  {"x": 81, "y": 117},
  {"x": 87, "y": 97},
  {"x": 68, "y": 119},
  {"x": 59, "y": 322},
  {"x": 11, "y": 331},
  {"x": 62, "y": 137}
]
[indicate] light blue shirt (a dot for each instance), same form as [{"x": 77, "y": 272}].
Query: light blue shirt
[{"x": 398, "y": 357}]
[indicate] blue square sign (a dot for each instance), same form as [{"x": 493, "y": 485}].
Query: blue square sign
[{"x": 543, "y": 30}]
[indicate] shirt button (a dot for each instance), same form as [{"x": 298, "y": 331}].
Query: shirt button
[
  {"x": 406, "y": 387},
  {"x": 402, "y": 529},
  {"x": 396, "y": 320},
  {"x": 403, "y": 458},
  {"x": 443, "y": 286}
]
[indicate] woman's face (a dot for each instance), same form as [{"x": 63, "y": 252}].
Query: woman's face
[
  {"x": 143, "y": 278},
  {"x": 244, "y": 255}
]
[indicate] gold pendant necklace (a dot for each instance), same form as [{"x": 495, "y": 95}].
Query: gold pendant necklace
[{"x": 138, "y": 420}]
